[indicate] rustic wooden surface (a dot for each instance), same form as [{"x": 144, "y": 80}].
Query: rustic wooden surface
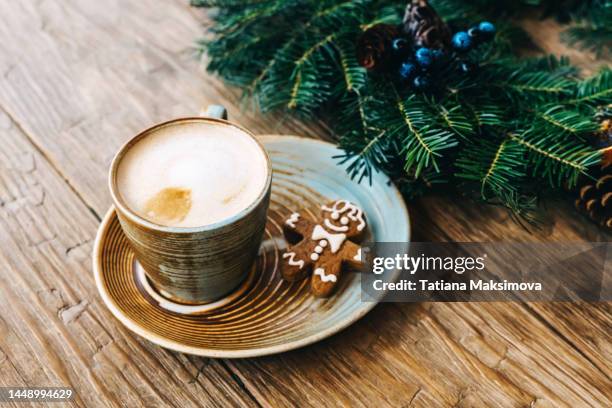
[{"x": 79, "y": 77}]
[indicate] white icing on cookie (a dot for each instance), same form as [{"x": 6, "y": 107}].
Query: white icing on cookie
[
  {"x": 314, "y": 256},
  {"x": 335, "y": 240},
  {"x": 324, "y": 277},
  {"x": 354, "y": 213},
  {"x": 318, "y": 249},
  {"x": 333, "y": 227},
  {"x": 292, "y": 220},
  {"x": 358, "y": 256},
  {"x": 291, "y": 255},
  {"x": 323, "y": 243}
]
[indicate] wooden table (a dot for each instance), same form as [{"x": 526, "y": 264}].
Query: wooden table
[{"x": 78, "y": 78}]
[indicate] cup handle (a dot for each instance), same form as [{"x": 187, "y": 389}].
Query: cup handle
[{"x": 214, "y": 111}]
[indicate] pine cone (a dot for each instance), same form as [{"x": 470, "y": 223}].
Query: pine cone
[
  {"x": 595, "y": 196},
  {"x": 425, "y": 27},
  {"x": 603, "y": 139},
  {"x": 374, "y": 46}
]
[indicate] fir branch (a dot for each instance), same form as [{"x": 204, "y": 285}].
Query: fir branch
[
  {"x": 455, "y": 119},
  {"x": 386, "y": 15},
  {"x": 563, "y": 120},
  {"x": 360, "y": 166},
  {"x": 308, "y": 53},
  {"x": 588, "y": 20},
  {"x": 355, "y": 76},
  {"x": 422, "y": 142},
  {"x": 336, "y": 13},
  {"x": 557, "y": 159},
  {"x": 597, "y": 89},
  {"x": 299, "y": 56},
  {"x": 491, "y": 174},
  {"x": 240, "y": 20},
  {"x": 551, "y": 64},
  {"x": 537, "y": 84},
  {"x": 252, "y": 88},
  {"x": 330, "y": 14},
  {"x": 292, "y": 104},
  {"x": 523, "y": 208},
  {"x": 484, "y": 112},
  {"x": 496, "y": 165},
  {"x": 547, "y": 155},
  {"x": 410, "y": 122},
  {"x": 366, "y": 147},
  {"x": 306, "y": 86},
  {"x": 365, "y": 128}
]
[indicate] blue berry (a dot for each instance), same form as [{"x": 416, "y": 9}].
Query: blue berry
[
  {"x": 487, "y": 30},
  {"x": 424, "y": 57},
  {"x": 421, "y": 82},
  {"x": 437, "y": 54},
  {"x": 487, "y": 27},
  {"x": 399, "y": 44},
  {"x": 407, "y": 70},
  {"x": 462, "y": 41},
  {"x": 474, "y": 32}
]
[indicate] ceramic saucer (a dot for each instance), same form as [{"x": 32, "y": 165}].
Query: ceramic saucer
[{"x": 265, "y": 315}]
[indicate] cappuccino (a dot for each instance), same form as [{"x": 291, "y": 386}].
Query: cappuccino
[{"x": 192, "y": 174}]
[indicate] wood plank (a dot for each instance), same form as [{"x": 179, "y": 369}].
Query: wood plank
[
  {"x": 483, "y": 354},
  {"x": 83, "y": 76},
  {"x": 586, "y": 326},
  {"x": 9, "y": 376},
  {"x": 55, "y": 329},
  {"x": 488, "y": 355}
]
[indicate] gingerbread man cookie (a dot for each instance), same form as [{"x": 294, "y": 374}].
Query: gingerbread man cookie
[{"x": 323, "y": 246}]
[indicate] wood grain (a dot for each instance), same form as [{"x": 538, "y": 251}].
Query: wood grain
[
  {"x": 481, "y": 354},
  {"x": 583, "y": 325},
  {"x": 55, "y": 330},
  {"x": 78, "y": 78}
]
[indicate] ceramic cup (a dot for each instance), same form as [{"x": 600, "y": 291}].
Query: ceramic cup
[{"x": 197, "y": 264}]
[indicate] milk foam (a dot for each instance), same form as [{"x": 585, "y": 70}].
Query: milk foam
[{"x": 222, "y": 168}]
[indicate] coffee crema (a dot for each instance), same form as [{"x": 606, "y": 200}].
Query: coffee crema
[{"x": 192, "y": 174}]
